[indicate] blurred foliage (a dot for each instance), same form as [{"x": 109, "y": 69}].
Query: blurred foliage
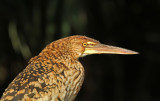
[{"x": 27, "y": 26}]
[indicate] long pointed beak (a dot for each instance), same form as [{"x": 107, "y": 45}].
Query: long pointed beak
[{"x": 106, "y": 49}]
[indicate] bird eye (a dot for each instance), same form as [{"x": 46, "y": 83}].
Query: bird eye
[{"x": 84, "y": 44}]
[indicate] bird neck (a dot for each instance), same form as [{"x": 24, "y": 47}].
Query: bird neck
[{"x": 58, "y": 57}]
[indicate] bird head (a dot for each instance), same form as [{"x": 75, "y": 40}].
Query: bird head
[{"x": 79, "y": 46}]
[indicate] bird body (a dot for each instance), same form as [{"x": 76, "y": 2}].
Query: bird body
[{"x": 56, "y": 74}]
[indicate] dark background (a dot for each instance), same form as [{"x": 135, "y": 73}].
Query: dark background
[{"x": 27, "y": 26}]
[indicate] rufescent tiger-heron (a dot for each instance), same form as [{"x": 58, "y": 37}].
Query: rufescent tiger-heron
[{"x": 56, "y": 74}]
